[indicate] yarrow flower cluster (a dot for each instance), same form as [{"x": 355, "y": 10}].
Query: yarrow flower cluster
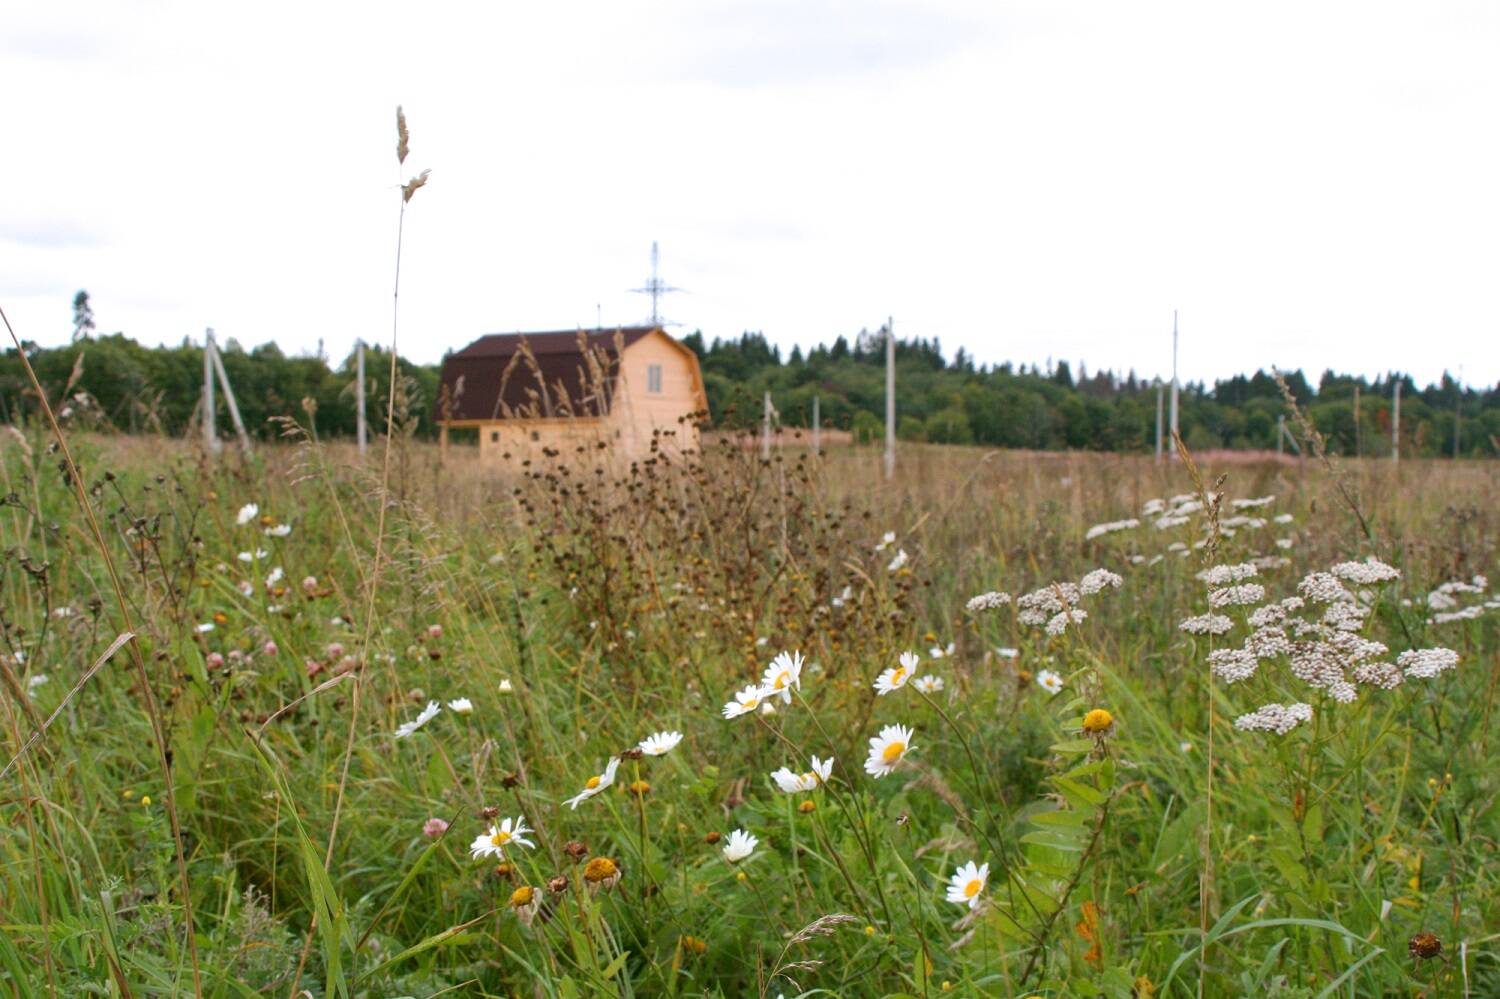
[
  {"x": 1207, "y": 624},
  {"x": 1233, "y": 596},
  {"x": 1277, "y": 718},
  {"x": 1426, "y": 663},
  {"x": 1223, "y": 575},
  {"x": 1099, "y": 530},
  {"x": 987, "y": 601},
  {"x": 1366, "y": 573},
  {"x": 1098, "y": 580}
]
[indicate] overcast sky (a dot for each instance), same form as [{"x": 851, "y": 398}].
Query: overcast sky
[{"x": 1312, "y": 184}]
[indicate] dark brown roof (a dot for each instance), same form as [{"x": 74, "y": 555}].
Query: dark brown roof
[{"x": 557, "y": 374}]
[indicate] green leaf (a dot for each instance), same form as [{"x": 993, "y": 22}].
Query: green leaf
[
  {"x": 1055, "y": 839},
  {"x": 613, "y": 968},
  {"x": 1061, "y": 817},
  {"x": 1080, "y": 795},
  {"x": 1072, "y": 746}
]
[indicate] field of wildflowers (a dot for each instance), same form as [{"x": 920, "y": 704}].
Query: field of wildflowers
[{"x": 1011, "y": 725}]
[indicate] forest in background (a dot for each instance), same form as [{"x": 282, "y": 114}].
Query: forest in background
[{"x": 116, "y": 383}]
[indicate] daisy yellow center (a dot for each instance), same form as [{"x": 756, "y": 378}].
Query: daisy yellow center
[
  {"x": 749, "y": 702},
  {"x": 896, "y": 676},
  {"x": 780, "y": 681},
  {"x": 893, "y": 752},
  {"x": 500, "y": 837},
  {"x": 591, "y": 783},
  {"x": 810, "y": 776},
  {"x": 972, "y": 888}
]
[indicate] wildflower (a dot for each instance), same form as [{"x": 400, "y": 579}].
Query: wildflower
[
  {"x": 899, "y": 562},
  {"x": 309, "y": 584},
  {"x": 434, "y": 631},
  {"x": 505, "y": 686},
  {"x": 1049, "y": 681},
  {"x": 807, "y": 805},
  {"x": 557, "y": 885},
  {"x": 1098, "y": 722},
  {"x": 601, "y": 873},
  {"x": 692, "y": 945},
  {"x": 1383, "y": 675},
  {"x": 524, "y": 902},
  {"x": 1185, "y": 746},
  {"x": 1422, "y": 664},
  {"x": 145, "y": 801},
  {"x": 987, "y": 601},
  {"x": 598, "y": 783},
  {"x": 897, "y": 676},
  {"x": 843, "y": 598},
  {"x": 1223, "y": 575},
  {"x": 1274, "y": 718},
  {"x": 274, "y": 577},
  {"x": 35, "y": 681},
  {"x": 1099, "y": 530},
  {"x": 427, "y": 714},
  {"x": 499, "y": 837},
  {"x": 1322, "y": 587},
  {"x": 1233, "y": 665},
  {"x": 205, "y": 627},
  {"x": 741, "y": 844},
  {"x": 259, "y": 553},
  {"x": 248, "y": 512},
  {"x": 1371, "y": 570},
  {"x": 1228, "y": 596},
  {"x": 886, "y": 541},
  {"x": 639, "y": 788},
  {"x": 461, "y": 706},
  {"x": 576, "y": 850},
  {"x": 659, "y": 744},
  {"x": 767, "y": 707},
  {"x": 269, "y": 649},
  {"x": 1424, "y": 945},
  {"x": 744, "y": 702},
  {"x": 1207, "y": 624},
  {"x": 1058, "y": 623},
  {"x": 791, "y": 782},
  {"x": 784, "y": 673},
  {"x": 1098, "y": 580},
  {"x": 888, "y": 749},
  {"x": 1006, "y": 653},
  {"x": 213, "y": 660},
  {"x": 278, "y": 531},
  {"x": 966, "y": 884},
  {"x": 434, "y": 827},
  {"x": 928, "y": 684}
]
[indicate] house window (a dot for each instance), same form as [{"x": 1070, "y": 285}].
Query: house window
[
  {"x": 653, "y": 379},
  {"x": 494, "y": 437}
]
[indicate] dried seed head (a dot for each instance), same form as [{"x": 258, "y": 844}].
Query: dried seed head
[
  {"x": 1424, "y": 946},
  {"x": 633, "y": 753},
  {"x": 505, "y": 871},
  {"x": 510, "y": 780},
  {"x": 557, "y": 885},
  {"x": 712, "y": 837},
  {"x": 403, "y": 137},
  {"x": 488, "y": 812},
  {"x": 576, "y": 850}
]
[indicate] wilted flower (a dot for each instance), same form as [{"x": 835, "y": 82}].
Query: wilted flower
[
  {"x": 888, "y": 749},
  {"x": 1423, "y": 946},
  {"x": 601, "y": 873},
  {"x": 525, "y": 901},
  {"x": 741, "y": 844},
  {"x": 966, "y": 884}
]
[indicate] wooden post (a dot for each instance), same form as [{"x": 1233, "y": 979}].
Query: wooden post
[
  {"x": 1357, "y": 445},
  {"x": 443, "y": 442},
  {"x": 817, "y": 429},
  {"x": 765, "y": 428},
  {"x": 890, "y": 397},
  {"x": 234, "y": 410},
  {"x": 1396, "y": 423},
  {"x": 361, "y": 432},
  {"x": 1160, "y": 392},
  {"x": 210, "y": 436}
]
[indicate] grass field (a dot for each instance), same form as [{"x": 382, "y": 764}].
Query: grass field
[{"x": 249, "y": 798}]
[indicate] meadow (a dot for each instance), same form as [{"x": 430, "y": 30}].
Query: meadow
[{"x": 1011, "y": 724}]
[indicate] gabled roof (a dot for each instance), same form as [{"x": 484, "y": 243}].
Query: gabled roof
[{"x": 567, "y": 373}]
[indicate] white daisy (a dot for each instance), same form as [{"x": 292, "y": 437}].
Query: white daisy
[
  {"x": 279, "y": 531},
  {"x": 899, "y": 562},
  {"x": 885, "y": 541},
  {"x": 1049, "y": 681},
  {"x": 1006, "y": 653},
  {"x": 505, "y": 686},
  {"x": 744, "y": 702},
  {"x": 205, "y": 627},
  {"x": 784, "y": 673},
  {"x": 928, "y": 684},
  {"x": 888, "y": 749},
  {"x": 461, "y": 706},
  {"x": 967, "y": 883},
  {"x": 659, "y": 744},
  {"x": 274, "y": 576},
  {"x": 494, "y": 842},
  {"x": 939, "y": 651},
  {"x": 741, "y": 844},
  {"x": 595, "y": 784},
  {"x": 793, "y": 782},
  {"x": 427, "y": 714},
  {"x": 897, "y": 676},
  {"x": 259, "y": 553},
  {"x": 248, "y": 512}
]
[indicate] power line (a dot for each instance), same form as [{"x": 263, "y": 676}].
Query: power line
[{"x": 655, "y": 287}]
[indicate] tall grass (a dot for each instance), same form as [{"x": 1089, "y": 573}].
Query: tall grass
[{"x": 617, "y": 602}]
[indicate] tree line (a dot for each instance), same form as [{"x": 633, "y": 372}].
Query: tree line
[{"x": 115, "y": 382}]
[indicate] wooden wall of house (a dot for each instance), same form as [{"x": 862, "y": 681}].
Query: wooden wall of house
[
  {"x": 526, "y": 438},
  {"x": 637, "y": 410}
]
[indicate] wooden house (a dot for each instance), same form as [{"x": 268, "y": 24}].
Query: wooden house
[{"x": 526, "y": 392}]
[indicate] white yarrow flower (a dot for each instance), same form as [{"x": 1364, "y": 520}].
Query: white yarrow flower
[{"x": 886, "y": 541}]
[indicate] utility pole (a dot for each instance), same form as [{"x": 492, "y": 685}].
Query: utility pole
[
  {"x": 817, "y": 429},
  {"x": 1159, "y": 393},
  {"x": 210, "y": 438},
  {"x": 656, "y": 288},
  {"x": 361, "y": 432},
  {"x": 1458, "y": 411},
  {"x": 1396, "y": 422},
  {"x": 1173, "y": 420},
  {"x": 890, "y": 397}
]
